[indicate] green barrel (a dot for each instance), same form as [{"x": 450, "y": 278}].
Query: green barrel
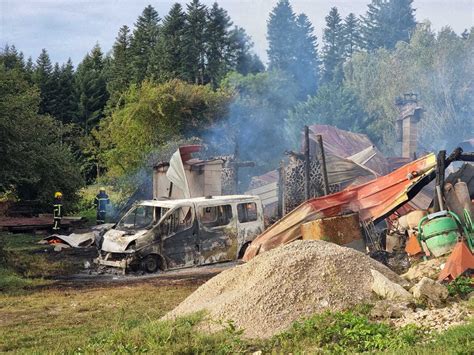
[{"x": 440, "y": 235}]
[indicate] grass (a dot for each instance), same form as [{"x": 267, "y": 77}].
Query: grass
[{"x": 55, "y": 320}]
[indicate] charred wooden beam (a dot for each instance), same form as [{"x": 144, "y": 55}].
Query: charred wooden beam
[
  {"x": 307, "y": 163},
  {"x": 322, "y": 159}
]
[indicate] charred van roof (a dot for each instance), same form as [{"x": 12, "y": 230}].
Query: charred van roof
[{"x": 198, "y": 200}]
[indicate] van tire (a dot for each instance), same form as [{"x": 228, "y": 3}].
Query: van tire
[
  {"x": 151, "y": 263},
  {"x": 242, "y": 250}
]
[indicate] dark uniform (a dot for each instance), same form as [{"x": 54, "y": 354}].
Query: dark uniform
[
  {"x": 57, "y": 213},
  {"x": 101, "y": 202}
]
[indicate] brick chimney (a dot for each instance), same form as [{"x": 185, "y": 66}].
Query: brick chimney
[{"x": 407, "y": 123}]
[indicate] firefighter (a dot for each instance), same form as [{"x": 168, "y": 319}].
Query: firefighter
[
  {"x": 57, "y": 211},
  {"x": 101, "y": 202}
]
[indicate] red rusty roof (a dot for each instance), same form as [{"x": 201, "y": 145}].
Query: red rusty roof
[{"x": 373, "y": 200}]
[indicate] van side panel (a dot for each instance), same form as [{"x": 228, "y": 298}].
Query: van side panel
[
  {"x": 247, "y": 231},
  {"x": 217, "y": 233}
]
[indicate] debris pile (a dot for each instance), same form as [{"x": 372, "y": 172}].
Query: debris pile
[{"x": 267, "y": 294}]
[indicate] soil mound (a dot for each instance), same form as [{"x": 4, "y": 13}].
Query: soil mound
[{"x": 267, "y": 294}]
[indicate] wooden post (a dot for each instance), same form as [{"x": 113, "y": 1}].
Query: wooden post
[
  {"x": 322, "y": 160},
  {"x": 236, "y": 166},
  {"x": 170, "y": 191},
  {"x": 307, "y": 162},
  {"x": 440, "y": 168},
  {"x": 281, "y": 189}
]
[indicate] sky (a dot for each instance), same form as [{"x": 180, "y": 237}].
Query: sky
[{"x": 70, "y": 28}]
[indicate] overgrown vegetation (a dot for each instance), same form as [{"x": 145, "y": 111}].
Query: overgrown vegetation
[{"x": 461, "y": 286}]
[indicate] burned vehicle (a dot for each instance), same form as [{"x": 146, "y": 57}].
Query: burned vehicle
[{"x": 167, "y": 234}]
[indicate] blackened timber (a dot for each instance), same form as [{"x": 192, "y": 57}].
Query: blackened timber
[
  {"x": 281, "y": 187},
  {"x": 307, "y": 162},
  {"x": 322, "y": 159}
]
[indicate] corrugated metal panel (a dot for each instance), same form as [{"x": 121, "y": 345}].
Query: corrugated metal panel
[
  {"x": 344, "y": 144},
  {"x": 373, "y": 200}
]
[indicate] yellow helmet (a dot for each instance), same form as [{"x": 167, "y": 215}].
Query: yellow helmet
[
  {"x": 58, "y": 195},
  {"x": 102, "y": 189}
]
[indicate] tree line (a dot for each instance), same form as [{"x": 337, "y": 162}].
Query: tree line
[{"x": 193, "y": 74}]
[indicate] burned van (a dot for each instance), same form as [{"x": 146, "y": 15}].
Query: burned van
[{"x": 168, "y": 234}]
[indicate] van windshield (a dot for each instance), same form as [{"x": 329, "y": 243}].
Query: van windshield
[{"x": 141, "y": 217}]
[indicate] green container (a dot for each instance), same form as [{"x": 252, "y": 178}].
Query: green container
[{"x": 440, "y": 235}]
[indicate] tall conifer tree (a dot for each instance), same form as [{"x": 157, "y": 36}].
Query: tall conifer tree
[
  {"x": 306, "y": 67},
  {"x": 43, "y": 79},
  {"x": 387, "y": 22},
  {"x": 143, "y": 44},
  {"x": 217, "y": 44},
  {"x": 244, "y": 62},
  {"x": 195, "y": 42},
  {"x": 92, "y": 89},
  {"x": 67, "y": 94},
  {"x": 352, "y": 37},
  {"x": 120, "y": 71},
  {"x": 333, "y": 47},
  {"x": 281, "y": 33},
  {"x": 172, "y": 43}
]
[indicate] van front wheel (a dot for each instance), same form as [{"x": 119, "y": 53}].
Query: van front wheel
[{"x": 151, "y": 264}]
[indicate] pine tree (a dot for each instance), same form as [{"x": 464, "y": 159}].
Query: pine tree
[
  {"x": 306, "y": 65},
  {"x": 333, "y": 47},
  {"x": 92, "y": 89},
  {"x": 42, "y": 77},
  {"x": 67, "y": 94},
  {"x": 29, "y": 69},
  {"x": 195, "y": 42},
  {"x": 352, "y": 36},
  {"x": 143, "y": 44},
  {"x": 11, "y": 58},
  {"x": 244, "y": 62},
  {"x": 55, "y": 100},
  {"x": 387, "y": 22},
  {"x": 217, "y": 44},
  {"x": 120, "y": 74},
  {"x": 281, "y": 32},
  {"x": 171, "y": 44}
]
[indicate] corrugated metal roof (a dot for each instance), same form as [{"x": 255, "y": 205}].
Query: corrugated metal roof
[{"x": 344, "y": 144}]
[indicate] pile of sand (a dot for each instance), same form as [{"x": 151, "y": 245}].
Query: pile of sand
[{"x": 267, "y": 294}]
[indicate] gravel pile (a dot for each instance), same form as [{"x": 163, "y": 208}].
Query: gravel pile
[{"x": 267, "y": 294}]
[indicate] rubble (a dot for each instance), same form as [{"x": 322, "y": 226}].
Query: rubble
[
  {"x": 430, "y": 268},
  {"x": 430, "y": 292},
  {"x": 267, "y": 294},
  {"x": 438, "y": 319},
  {"x": 387, "y": 289},
  {"x": 386, "y": 309}
]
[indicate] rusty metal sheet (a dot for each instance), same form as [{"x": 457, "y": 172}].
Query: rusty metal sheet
[
  {"x": 373, "y": 200},
  {"x": 345, "y": 144}
]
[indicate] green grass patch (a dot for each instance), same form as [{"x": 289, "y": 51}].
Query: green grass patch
[
  {"x": 343, "y": 332},
  {"x": 68, "y": 320}
]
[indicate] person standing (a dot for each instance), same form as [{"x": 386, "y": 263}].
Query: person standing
[
  {"x": 101, "y": 202},
  {"x": 57, "y": 211}
]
